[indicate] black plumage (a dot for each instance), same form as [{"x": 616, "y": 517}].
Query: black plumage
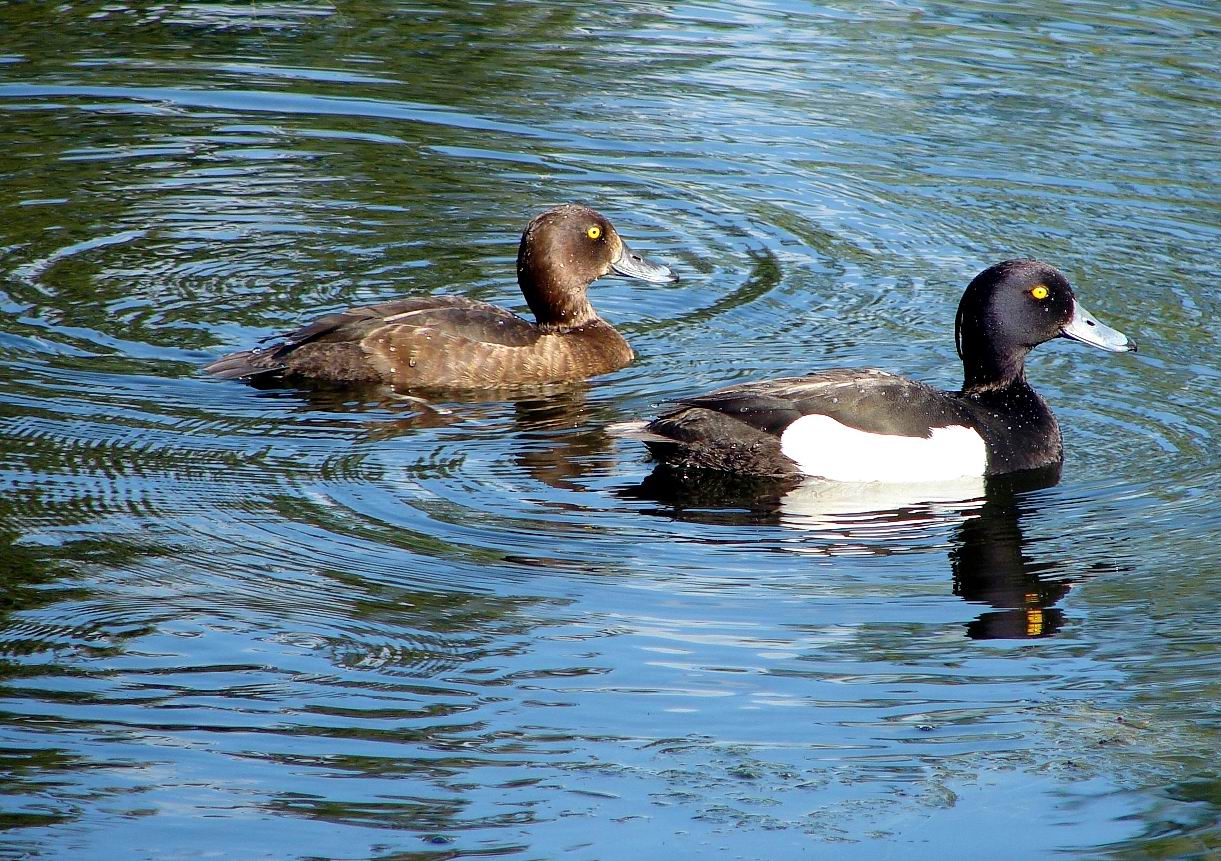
[{"x": 1006, "y": 310}]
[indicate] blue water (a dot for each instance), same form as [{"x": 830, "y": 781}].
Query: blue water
[{"x": 297, "y": 624}]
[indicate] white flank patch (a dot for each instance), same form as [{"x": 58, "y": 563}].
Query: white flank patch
[{"x": 825, "y": 448}]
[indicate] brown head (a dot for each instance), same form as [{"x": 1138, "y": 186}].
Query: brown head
[{"x": 566, "y": 249}]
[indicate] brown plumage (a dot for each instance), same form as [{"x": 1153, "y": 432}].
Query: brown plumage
[{"x": 452, "y": 341}]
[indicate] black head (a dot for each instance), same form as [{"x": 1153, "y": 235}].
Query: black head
[
  {"x": 563, "y": 251},
  {"x": 1011, "y": 308}
]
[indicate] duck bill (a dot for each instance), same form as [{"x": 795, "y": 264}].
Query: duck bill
[
  {"x": 1084, "y": 327},
  {"x": 629, "y": 264}
]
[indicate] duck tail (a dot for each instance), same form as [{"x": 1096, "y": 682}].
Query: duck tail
[
  {"x": 246, "y": 365},
  {"x": 637, "y": 430}
]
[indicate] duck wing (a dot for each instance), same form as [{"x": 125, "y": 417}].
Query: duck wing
[
  {"x": 334, "y": 347},
  {"x": 742, "y": 428},
  {"x": 863, "y": 399},
  {"x": 464, "y": 319}
]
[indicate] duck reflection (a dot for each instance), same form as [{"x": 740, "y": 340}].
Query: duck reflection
[
  {"x": 559, "y": 429},
  {"x": 988, "y": 561},
  {"x": 989, "y": 564}
]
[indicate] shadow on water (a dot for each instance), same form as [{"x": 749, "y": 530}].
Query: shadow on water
[{"x": 989, "y": 561}]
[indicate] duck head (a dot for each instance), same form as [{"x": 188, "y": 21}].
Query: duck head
[
  {"x": 566, "y": 249},
  {"x": 1011, "y": 308}
]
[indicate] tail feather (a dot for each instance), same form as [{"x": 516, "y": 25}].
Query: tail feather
[
  {"x": 637, "y": 429},
  {"x": 246, "y": 364}
]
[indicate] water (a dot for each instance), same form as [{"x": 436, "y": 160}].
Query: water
[{"x": 291, "y": 624}]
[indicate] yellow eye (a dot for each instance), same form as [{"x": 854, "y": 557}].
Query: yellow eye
[
  {"x": 1039, "y": 292},
  {"x": 593, "y": 231}
]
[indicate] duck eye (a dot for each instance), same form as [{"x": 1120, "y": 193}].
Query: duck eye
[
  {"x": 1040, "y": 292},
  {"x": 593, "y": 231}
]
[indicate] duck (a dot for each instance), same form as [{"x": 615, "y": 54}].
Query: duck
[
  {"x": 449, "y": 341},
  {"x": 867, "y": 425}
]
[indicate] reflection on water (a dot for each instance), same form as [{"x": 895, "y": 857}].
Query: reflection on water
[
  {"x": 557, "y": 444},
  {"x": 990, "y": 565},
  {"x": 982, "y": 519}
]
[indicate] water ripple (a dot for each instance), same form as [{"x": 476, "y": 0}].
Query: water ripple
[{"x": 482, "y": 626}]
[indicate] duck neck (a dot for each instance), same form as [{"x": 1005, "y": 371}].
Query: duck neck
[
  {"x": 990, "y": 361},
  {"x": 1000, "y": 387},
  {"x": 1019, "y": 424},
  {"x": 558, "y": 308},
  {"x": 557, "y": 302},
  {"x": 558, "y": 313},
  {"x": 993, "y": 370}
]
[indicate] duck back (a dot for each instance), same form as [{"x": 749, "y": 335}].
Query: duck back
[{"x": 432, "y": 341}]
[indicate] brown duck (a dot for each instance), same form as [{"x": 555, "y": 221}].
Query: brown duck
[{"x": 455, "y": 342}]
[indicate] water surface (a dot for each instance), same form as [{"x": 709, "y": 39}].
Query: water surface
[{"x": 302, "y": 624}]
